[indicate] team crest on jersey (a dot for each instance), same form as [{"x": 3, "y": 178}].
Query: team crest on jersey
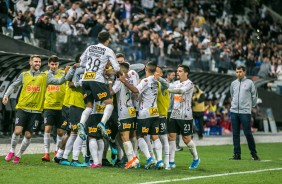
[
  {"x": 92, "y": 130},
  {"x": 31, "y": 88},
  {"x": 145, "y": 130},
  {"x": 102, "y": 95},
  {"x": 89, "y": 75}
]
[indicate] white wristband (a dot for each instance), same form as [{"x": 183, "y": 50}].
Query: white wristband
[{"x": 110, "y": 82}]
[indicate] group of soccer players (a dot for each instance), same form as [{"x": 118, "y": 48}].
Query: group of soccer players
[{"x": 100, "y": 101}]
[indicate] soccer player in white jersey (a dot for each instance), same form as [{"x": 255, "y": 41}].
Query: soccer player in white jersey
[
  {"x": 148, "y": 117},
  {"x": 126, "y": 113},
  {"x": 181, "y": 119},
  {"x": 94, "y": 60}
]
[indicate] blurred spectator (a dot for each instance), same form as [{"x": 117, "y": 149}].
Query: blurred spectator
[
  {"x": 265, "y": 68},
  {"x": 225, "y": 60}
]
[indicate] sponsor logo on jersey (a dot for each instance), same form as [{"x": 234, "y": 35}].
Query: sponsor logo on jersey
[
  {"x": 53, "y": 88},
  {"x": 153, "y": 111},
  {"x": 178, "y": 98},
  {"x": 126, "y": 126},
  {"x": 92, "y": 130},
  {"x": 102, "y": 95},
  {"x": 89, "y": 75},
  {"x": 145, "y": 130},
  {"x": 31, "y": 88}
]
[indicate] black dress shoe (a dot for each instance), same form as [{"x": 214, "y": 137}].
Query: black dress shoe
[
  {"x": 255, "y": 157},
  {"x": 235, "y": 157}
]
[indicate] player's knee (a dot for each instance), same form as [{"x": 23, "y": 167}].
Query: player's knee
[
  {"x": 108, "y": 101},
  {"x": 27, "y": 134},
  {"x": 186, "y": 139},
  {"x": 155, "y": 137}
]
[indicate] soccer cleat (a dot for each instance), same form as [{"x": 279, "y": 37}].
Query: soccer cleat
[
  {"x": 81, "y": 131},
  {"x": 149, "y": 163},
  {"x": 255, "y": 157},
  {"x": 179, "y": 148},
  {"x": 195, "y": 164},
  {"x": 167, "y": 168},
  {"x": 64, "y": 162},
  {"x": 46, "y": 157},
  {"x": 57, "y": 160},
  {"x": 235, "y": 157},
  {"x": 76, "y": 163},
  {"x": 172, "y": 165},
  {"x": 9, "y": 156},
  {"x": 102, "y": 128},
  {"x": 105, "y": 162},
  {"x": 131, "y": 163},
  {"x": 16, "y": 160},
  {"x": 159, "y": 165},
  {"x": 95, "y": 165}
]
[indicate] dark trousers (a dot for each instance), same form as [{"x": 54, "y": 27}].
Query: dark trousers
[
  {"x": 199, "y": 118},
  {"x": 245, "y": 120}
]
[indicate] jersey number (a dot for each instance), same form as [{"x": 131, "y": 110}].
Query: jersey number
[{"x": 93, "y": 65}]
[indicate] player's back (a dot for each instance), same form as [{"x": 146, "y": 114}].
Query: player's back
[{"x": 95, "y": 59}]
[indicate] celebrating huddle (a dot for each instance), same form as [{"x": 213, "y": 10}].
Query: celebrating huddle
[{"x": 101, "y": 101}]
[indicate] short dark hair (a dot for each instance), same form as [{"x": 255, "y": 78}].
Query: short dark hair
[
  {"x": 125, "y": 64},
  {"x": 77, "y": 58},
  {"x": 53, "y": 58},
  {"x": 151, "y": 66},
  {"x": 186, "y": 68},
  {"x": 169, "y": 72},
  {"x": 120, "y": 55},
  {"x": 103, "y": 36},
  {"x": 241, "y": 67}
]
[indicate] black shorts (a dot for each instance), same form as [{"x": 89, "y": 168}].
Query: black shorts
[
  {"x": 91, "y": 126},
  {"x": 95, "y": 91},
  {"x": 163, "y": 126},
  {"x": 66, "y": 118},
  {"x": 183, "y": 127},
  {"x": 147, "y": 126},
  {"x": 112, "y": 125},
  {"x": 126, "y": 125},
  {"x": 75, "y": 115},
  {"x": 28, "y": 120},
  {"x": 53, "y": 118}
]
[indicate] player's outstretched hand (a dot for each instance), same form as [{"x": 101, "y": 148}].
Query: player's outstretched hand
[
  {"x": 76, "y": 65},
  {"x": 67, "y": 69}
]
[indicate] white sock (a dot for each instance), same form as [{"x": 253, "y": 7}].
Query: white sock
[
  {"x": 107, "y": 113},
  {"x": 159, "y": 149},
  {"x": 150, "y": 147},
  {"x": 93, "y": 146},
  {"x": 58, "y": 142},
  {"x": 165, "y": 144},
  {"x": 47, "y": 142},
  {"x": 85, "y": 114},
  {"x": 172, "y": 148},
  {"x": 135, "y": 145},
  {"x": 76, "y": 148},
  {"x": 24, "y": 145},
  {"x": 120, "y": 152},
  {"x": 192, "y": 148},
  {"x": 84, "y": 149},
  {"x": 60, "y": 153},
  {"x": 144, "y": 147},
  {"x": 69, "y": 146},
  {"x": 14, "y": 141},
  {"x": 100, "y": 150},
  {"x": 128, "y": 150}
]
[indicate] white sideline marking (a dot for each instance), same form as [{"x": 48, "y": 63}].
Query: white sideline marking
[
  {"x": 212, "y": 176},
  {"x": 265, "y": 160}
]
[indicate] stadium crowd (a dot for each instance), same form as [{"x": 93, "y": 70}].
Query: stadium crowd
[{"x": 204, "y": 34}]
